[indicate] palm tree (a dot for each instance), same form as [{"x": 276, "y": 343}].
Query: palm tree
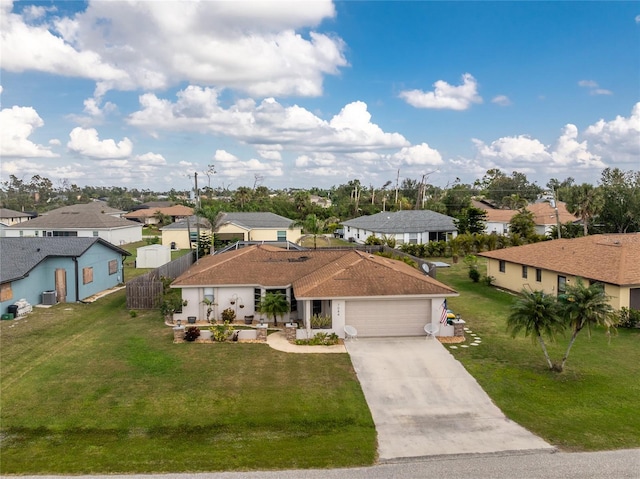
[
  {"x": 311, "y": 225},
  {"x": 538, "y": 315},
  {"x": 586, "y": 201},
  {"x": 586, "y": 306},
  {"x": 274, "y": 304}
]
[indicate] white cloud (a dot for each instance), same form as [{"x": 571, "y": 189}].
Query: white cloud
[
  {"x": 618, "y": 139},
  {"x": 18, "y": 123},
  {"x": 445, "y": 96},
  {"x": 637, "y": 18},
  {"x": 571, "y": 153},
  {"x": 416, "y": 155},
  {"x": 594, "y": 88},
  {"x": 249, "y": 46},
  {"x": 267, "y": 123},
  {"x": 501, "y": 100},
  {"x": 86, "y": 143}
]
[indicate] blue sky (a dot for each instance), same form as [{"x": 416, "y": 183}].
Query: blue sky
[{"x": 317, "y": 93}]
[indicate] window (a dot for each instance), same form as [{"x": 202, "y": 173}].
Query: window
[
  {"x": 562, "y": 284},
  {"x": 6, "y": 293},
  {"x": 413, "y": 238},
  {"x": 257, "y": 297},
  {"x": 87, "y": 275},
  {"x": 525, "y": 272},
  {"x": 282, "y": 236},
  {"x": 294, "y": 302},
  {"x": 113, "y": 266},
  {"x": 538, "y": 275},
  {"x": 208, "y": 294},
  {"x": 63, "y": 233},
  {"x": 316, "y": 307},
  {"x": 502, "y": 266},
  {"x": 95, "y": 234}
]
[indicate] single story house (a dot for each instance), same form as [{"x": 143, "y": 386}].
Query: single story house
[
  {"x": 149, "y": 216},
  {"x": 257, "y": 227},
  {"x": 376, "y": 295},
  {"x": 183, "y": 233},
  {"x": 65, "y": 269},
  {"x": 544, "y": 217},
  {"x": 612, "y": 260},
  {"x": 11, "y": 217},
  {"x": 409, "y": 226},
  {"x": 90, "y": 220}
]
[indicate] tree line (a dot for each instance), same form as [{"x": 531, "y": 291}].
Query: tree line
[{"x": 610, "y": 206}]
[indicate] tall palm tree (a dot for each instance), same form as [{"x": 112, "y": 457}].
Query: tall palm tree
[
  {"x": 538, "y": 315},
  {"x": 274, "y": 304},
  {"x": 312, "y": 225},
  {"x": 586, "y": 201},
  {"x": 586, "y": 306}
]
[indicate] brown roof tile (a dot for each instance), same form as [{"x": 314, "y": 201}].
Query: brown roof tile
[
  {"x": 610, "y": 258},
  {"x": 314, "y": 273}
]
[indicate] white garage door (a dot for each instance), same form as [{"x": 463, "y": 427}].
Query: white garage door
[{"x": 377, "y": 318}]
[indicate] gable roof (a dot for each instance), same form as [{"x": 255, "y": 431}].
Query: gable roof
[
  {"x": 256, "y": 220},
  {"x": 18, "y": 256},
  {"x": 187, "y": 223},
  {"x": 543, "y": 214},
  {"x": 95, "y": 215},
  {"x": 175, "y": 210},
  {"x": 610, "y": 258},
  {"x": 407, "y": 221},
  {"x": 312, "y": 273},
  {"x": 7, "y": 213}
]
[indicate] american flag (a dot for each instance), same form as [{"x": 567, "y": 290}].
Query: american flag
[{"x": 443, "y": 314}]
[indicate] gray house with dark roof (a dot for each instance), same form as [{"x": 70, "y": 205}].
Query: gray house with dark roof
[
  {"x": 73, "y": 269},
  {"x": 409, "y": 226},
  {"x": 91, "y": 220}
]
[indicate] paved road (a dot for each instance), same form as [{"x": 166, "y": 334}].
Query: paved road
[
  {"x": 623, "y": 464},
  {"x": 425, "y": 403}
]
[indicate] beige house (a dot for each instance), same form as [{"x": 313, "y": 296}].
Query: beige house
[
  {"x": 183, "y": 233},
  {"x": 11, "y": 217},
  {"x": 544, "y": 217},
  {"x": 149, "y": 216},
  {"x": 257, "y": 227},
  {"x": 612, "y": 260}
]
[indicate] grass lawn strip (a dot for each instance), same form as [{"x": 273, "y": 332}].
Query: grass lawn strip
[{"x": 121, "y": 397}]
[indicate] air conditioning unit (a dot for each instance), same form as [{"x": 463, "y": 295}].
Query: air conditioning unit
[{"x": 49, "y": 298}]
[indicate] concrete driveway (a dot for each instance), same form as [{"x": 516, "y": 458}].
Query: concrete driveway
[{"x": 424, "y": 403}]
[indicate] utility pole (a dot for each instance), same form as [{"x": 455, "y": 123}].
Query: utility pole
[
  {"x": 555, "y": 207},
  {"x": 197, "y": 203}
]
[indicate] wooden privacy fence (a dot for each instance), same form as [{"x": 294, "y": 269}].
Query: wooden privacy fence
[{"x": 145, "y": 292}]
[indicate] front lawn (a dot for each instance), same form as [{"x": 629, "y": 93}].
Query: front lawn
[
  {"x": 593, "y": 405},
  {"x": 89, "y": 389}
]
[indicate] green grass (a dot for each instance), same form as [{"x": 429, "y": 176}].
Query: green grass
[
  {"x": 591, "y": 406},
  {"x": 88, "y": 389}
]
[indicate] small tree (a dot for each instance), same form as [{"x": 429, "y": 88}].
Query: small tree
[
  {"x": 586, "y": 306},
  {"x": 274, "y": 304},
  {"x": 538, "y": 315},
  {"x": 523, "y": 224}
]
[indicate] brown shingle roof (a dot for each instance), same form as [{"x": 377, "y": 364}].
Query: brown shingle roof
[
  {"x": 610, "y": 258},
  {"x": 314, "y": 273},
  {"x": 543, "y": 214},
  {"x": 176, "y": 210}
]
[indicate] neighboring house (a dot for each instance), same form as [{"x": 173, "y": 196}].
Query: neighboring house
[
  {"x": 149, "y": 216},
  {"x": 612, "y": 260},
  {"x": 257, "y": 227},
  {"x": 544, "y": 217},
  {"x": 91, "y": 220},
  {"x": 66, "y": 269},
  {"x": 320, "y": 201},
  {"x": 409, "y": 226},
  {"x": 10, "y": 217},
  {"x": 184, "y": 233},
  {"x": 378, "y": 296}
]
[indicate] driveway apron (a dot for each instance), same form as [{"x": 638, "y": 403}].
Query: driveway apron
[{"x": 424, "y": 403}]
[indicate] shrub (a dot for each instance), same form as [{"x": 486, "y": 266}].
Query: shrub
[
  {"x": 320, "y": 339},
  {"x": 191, "y": 333},
  {"x": 488, "y": 280},
  {"x": 228, "y": 315},
  {"x": 474, "y": 274},
  {"x": 319, "y": 321},
  {"x": 221, "y": 332},
  {"x": 628, "y": 318}
]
